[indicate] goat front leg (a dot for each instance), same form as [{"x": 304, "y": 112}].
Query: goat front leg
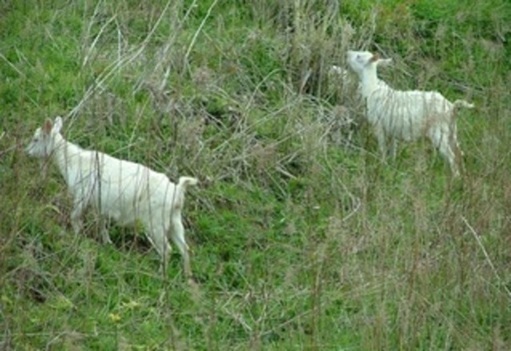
[{"x": 380, "y": 137}]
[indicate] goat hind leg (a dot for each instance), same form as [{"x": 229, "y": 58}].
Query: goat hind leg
[
  {"x": 158, "y": 238},
  {"x": 178, "y": 237},
  {"x": 458, "y": 153},
  {"x": 393, "y": 148},
  {"x": 104, "y": 232},
  {"x": 442, "y": 139},
  {"x": 451, "y": 153},
  {"x": 79, "y": 205}
]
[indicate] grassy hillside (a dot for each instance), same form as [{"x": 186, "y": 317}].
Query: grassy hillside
[{"x": 302, "y": 238}]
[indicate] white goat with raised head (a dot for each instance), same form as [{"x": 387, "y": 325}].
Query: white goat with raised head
[
  {"x": 120, "y": 190},
  {"x": 347, "y": 80},
  {"x": 407, "y": 115},
  {"x": 350, "y": 89}
]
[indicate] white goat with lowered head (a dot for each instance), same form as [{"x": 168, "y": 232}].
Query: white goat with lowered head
[
  {"x": 407, "y": 115},
  {"x": 120, "y": 190}
]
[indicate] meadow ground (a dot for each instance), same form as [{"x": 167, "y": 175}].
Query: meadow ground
[{"x": 302, "y": 238}]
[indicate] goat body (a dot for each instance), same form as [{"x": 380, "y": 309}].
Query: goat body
[
  {"x": 407, "y": 115},
  {"x": 120, "y": 190}
]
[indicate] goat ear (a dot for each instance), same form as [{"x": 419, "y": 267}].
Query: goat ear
[
  {"x": 47, "y": 126},
  {"x": 57, "y": 126},
  {"x": 375, "y": 58},
  {"x": 384, "y": 62}
]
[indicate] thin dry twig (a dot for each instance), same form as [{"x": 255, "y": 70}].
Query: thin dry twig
[
  {"x": 197, "y": 32},
  {"x": 490, "y": 263},
  {"x": 117, "y": 65}
]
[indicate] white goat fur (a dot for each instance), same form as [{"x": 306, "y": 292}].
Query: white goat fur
[
  {"x": 347, "y": 80},
  {"x": 407, "y": 115},
  {"x": 120, "y": 190}
]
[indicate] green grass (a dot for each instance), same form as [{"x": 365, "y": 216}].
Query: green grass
[{"x": 299, "y": 241}]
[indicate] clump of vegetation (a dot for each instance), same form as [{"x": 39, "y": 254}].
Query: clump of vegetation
[{"x": 298, "y": 241}]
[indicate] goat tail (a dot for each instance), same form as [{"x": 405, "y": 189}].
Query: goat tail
[
  {"x": 462, "y": 103},
  {"x": 178, "y": 200},
  {"x": 184, "y": 182}
]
